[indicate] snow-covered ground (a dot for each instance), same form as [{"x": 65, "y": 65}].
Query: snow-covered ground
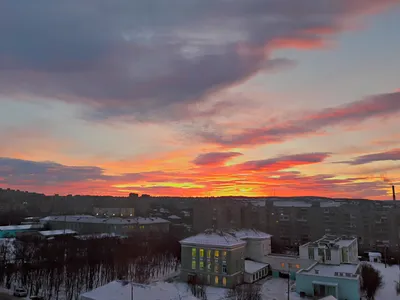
[{"x": 390, "y": 276}]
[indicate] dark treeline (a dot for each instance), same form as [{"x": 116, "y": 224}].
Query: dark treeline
[{"x": 64, "y": 268}]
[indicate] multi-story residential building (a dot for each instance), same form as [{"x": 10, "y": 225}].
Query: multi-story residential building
[
  {"x": 91, "y": 225},
  {"x": 331, "y": 250},
  {"x": 222, "y": 258}
]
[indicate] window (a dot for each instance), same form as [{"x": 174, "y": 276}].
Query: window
[
  {"x": 216, "y": 268},
  {"x": 208, "y": 253},
  {"x": 282, "y": 265},
  {"x": 201, "y": 253},
  {"x": 311, "y": 253},
  {"x": 209, "y": 267},
  {"x": 201, "y": 265},
  {"x": 194, "y": 252},
  {"x": 224, "y": 254},
  {"x": 320, "y": 252},
  {"x": 224, "y": 269},
  {"x": 216, "y": 253},
  {"x": 328, "y": 254},
  {"x": 141, "y": 226},
  {"x": 224, "y": 281},
  {"x": 208, "y": 279},
  {"x": 193, "y": 264},
  {"x": 297, "y": 266},
  {"x": 216, "y": 279}
]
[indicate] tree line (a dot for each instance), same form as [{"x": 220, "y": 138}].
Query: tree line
[{"x": 66, "y": 267}]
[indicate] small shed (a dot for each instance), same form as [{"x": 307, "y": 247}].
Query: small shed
[{"x": 374, "y": 257}]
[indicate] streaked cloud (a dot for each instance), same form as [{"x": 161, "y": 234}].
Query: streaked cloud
[
  {"x": 371, "y": 107},
  {"x": 391, "y": 155},
  {"x": 214, "y": 158}
]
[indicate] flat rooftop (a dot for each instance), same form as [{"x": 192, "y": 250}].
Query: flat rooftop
[
  {"x": 57, "y": 232},
  {"x": 214, "y": 239},
  {"x": 253, "y": 267},
  {"x": 344, "y": 270},
  {"x": 21, "y": 227}
]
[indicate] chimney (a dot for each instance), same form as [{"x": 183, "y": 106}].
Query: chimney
[{"x": 394, "y": 193}]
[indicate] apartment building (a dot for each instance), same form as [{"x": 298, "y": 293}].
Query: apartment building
[
  {"x": 296, "y": 221},
  {"x": 91, "y": 225}
]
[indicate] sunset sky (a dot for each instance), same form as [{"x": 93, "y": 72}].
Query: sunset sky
[{"x": 201, "y": 97}]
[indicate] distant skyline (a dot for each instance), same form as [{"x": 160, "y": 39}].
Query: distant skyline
[{"x": 201, "y": 98}]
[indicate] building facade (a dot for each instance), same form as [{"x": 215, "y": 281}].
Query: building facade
[
  {"x": 213, "y": 258},
  {"x": 93, "y": 225},
  {"x": 331, "y": 250}
]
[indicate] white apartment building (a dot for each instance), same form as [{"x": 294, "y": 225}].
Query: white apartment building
[{"x": 331, "y": 250}]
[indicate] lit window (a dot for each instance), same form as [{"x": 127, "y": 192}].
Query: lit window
[
  {"x": 224, "y": 254},
  {"x": 282, "y": 265},
  {"x": 297, "y": 266},
  {"x": 216, "y": 253},
  {"x": 193, "y": 264},
  {"x": 201, "y": 265},
  {"x": 216, "y": 268},
  {"x": 216, "y": 279},
  {"x": 194, "y": 252},
  {"x": 141, "y": 226},
  {"x": 201, "y": 252},
  {"x": 208, "y": 253},
  {"x": 224, "y": 281}
]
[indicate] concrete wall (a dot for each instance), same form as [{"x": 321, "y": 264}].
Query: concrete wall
[
  {"x": 349, "y": 289},
  {"x": 256, "y": 248}
]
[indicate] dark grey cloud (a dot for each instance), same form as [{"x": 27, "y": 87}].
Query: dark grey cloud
[
  {"x": 146, "y": 58},
  {"x": 214, "y": 158},
  {"x": 372, "y": 107},
  {"x": 20, "y": 172},
  {"x": 391, "y": 155}
]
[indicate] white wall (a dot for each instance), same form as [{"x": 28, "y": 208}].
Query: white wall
[
  {"x": 256, "y": 248},
  {"x": 303, "y": 252}
]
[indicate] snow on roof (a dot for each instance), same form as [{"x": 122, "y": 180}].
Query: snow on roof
[
  {"x": 114, "y": 221},
  {"x": 348, "y": 271},
  {"x": 174, "y": 217},
  {"x": 345, "y": 242},
  {"x": 117, "y": 290},
  {"x": 280, "y": 262},
  {"x": 291, "y": 204},
  {"x": 374, "y": 254},
  {"x": 253, "y": 267},
  {"x": 57, "y": 232},
  {"x": 220, "y": 238},
  {"x": 21, "y": 227},
  {"x": 249, "y": 233}
]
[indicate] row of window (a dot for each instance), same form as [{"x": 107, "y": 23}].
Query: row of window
[
  {"x": 209, "y": 252},
  {"x": 321, "y": 252},
  {"x": 216, "y": 267}
]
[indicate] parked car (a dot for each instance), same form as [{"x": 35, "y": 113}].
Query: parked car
[{"x": 20, "y": 292}]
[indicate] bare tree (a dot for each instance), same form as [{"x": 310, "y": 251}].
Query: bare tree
[
  {"x": 371, "y": 280},
  {"x": 244, "y": 292}
]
